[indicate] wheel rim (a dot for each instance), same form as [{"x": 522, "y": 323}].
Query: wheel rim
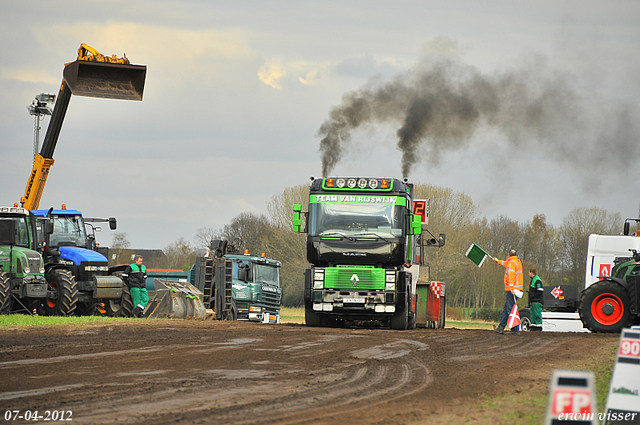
[
  {"x": 525, "y": 324},
  {"x": 607, "y": 309},
  {"x": 52, "y": 302}
]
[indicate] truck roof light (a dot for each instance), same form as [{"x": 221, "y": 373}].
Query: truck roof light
[
  {"x": 329, "y": 182},
  {"x": 263, "y": 254},
  {"x": 384, "y": 184},
  {"x": 64, "y": 207},
  {"x": 340, "y": 183},
  {"x": 246, "y": 252},
  {"x": 15, "y": 205}
]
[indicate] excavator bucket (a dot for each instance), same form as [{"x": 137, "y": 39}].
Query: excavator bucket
[
  {"x": 105, "y": 79},
  {"x": 175, "y": 300}
]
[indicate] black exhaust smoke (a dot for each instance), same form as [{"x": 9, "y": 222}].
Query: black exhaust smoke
[{"x": 438, "y": 107}]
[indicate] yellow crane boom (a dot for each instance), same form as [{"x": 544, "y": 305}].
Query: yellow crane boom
[{"x": 93, "y": 75}]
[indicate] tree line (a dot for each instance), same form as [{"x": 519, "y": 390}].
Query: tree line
[{"x": 557, "y": 252}]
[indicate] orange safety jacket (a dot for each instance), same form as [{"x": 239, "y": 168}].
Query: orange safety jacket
[{"x": 513, "y": 278}]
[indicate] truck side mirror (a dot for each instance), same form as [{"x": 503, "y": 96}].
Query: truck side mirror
[
  {"x": 242, "y": 272},
  {"x": 296, "y": 220},
  {"x": 441, "y": 239},
  {"x": 416, "y": 225},
  {"x": 112, "y": 223},
  {"x": 48, "y": 227}
]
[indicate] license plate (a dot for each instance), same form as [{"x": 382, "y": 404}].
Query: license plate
[{"x": 353, "y": 300}]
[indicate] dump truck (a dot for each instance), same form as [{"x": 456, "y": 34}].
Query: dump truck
[
  {"x": 364, "y": 243},
  {"x": 22, "y": 281}
]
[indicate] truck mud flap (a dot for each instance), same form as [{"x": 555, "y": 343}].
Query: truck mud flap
[
  {"x": 107, "y": 287},
  {"x": 175, "y": 300},
  {"x": 105, "y": 80}
]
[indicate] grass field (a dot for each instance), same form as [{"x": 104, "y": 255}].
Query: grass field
[{"x": 288, "y": 315}]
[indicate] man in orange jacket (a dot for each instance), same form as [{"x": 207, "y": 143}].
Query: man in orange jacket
[{"x": 513, "y": 285}]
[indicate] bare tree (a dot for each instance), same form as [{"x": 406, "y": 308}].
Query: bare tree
[
  {"x": 179, "y": 255},
  {"x": 574, "y": 233},
  {"x": 287, "y": 246},
  {"x": 119, "y": 252}
]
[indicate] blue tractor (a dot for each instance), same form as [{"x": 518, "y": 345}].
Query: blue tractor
[{"x": 78, "y": 276}]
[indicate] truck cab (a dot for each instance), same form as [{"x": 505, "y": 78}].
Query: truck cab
[
  {"x": 362, "y": 244},
  {"x": 256, "y": 287},
  {"x": 21, "y": 266}
]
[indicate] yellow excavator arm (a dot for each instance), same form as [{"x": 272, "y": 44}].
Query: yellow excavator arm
[{"x": 91, "y": 75}]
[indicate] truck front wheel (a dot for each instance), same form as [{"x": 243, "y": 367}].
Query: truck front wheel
[
  {"x": 311, "y": 318},
  {"x": 64, "y": 291},
  {"x": 400, "y": 320},
  {"x": 5, "y": 293},
  {"x": 604, "y": 307}
]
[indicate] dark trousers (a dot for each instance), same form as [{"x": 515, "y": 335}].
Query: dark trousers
[{"x": 509, "y": 301}]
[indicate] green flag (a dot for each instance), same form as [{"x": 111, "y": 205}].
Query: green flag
[{"x": 476, "y": 254}]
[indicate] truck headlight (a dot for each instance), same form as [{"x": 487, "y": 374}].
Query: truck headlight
[
  {"x": 254, "y": 309},
  {"x": 90, "y": 268},
  {"x": 318, "y": 279},
  {"x": 390, "y": 281}
]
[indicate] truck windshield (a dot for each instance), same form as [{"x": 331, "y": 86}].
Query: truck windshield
[
  {"x": 68, "y": 230},
  {"x": 20, "y": 224},
  {"x": 345, "y": 219},
  {"x": 266, "y": 274}
]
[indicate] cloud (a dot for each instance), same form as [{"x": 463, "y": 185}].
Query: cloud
[
  {"x": 28, "y": 75},
  {"x": 270, "y": 72}
]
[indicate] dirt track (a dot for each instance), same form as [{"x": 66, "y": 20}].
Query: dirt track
[{"x": 165, "y": 371}]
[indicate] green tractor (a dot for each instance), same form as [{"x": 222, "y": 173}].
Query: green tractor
[{"x": 22, "y": 282}]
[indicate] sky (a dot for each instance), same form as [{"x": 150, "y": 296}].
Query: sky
[{"x": 237, "y": 91}]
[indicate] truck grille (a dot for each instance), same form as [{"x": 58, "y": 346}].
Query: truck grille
[
  {"x": 271, "y": 299},
  {"x": 361, "y": 277}
]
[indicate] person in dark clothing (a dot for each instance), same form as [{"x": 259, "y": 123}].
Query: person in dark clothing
[
  {"x": 135, "y": 276},
  {"x": 536, "y": 299}
]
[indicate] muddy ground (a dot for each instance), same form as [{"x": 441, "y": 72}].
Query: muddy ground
[{"x": 165, "y": 372}]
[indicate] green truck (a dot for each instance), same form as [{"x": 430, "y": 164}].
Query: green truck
[
  {"x": 363, "y": 243},
  {"x": 22, "y": 282}
]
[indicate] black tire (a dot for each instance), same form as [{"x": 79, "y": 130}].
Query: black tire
[
  {"x": 62, "y": 282},
  {"x": 126, "y": 303},
  {"x": 85, "y": 308},
  {"x": 230, "y": 315},
  {"x": 399, "y": 321},
  {"x": 6, "y": 298},
  {"x": 311, "y": 318},
  {"x": 443, "y": 313},
  {"x": 412, "y": 321},
  {"x": 525, "y": 319},
  {"x": 604, "y": 307}
]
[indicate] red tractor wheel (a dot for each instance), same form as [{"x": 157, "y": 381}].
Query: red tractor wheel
[{"x": 604, "y": 307}]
